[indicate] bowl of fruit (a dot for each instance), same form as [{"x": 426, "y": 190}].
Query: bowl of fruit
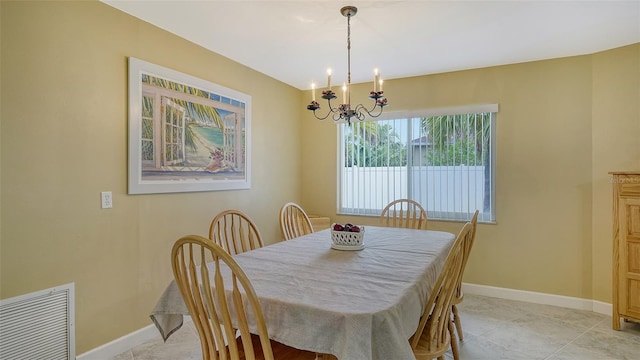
[{"x": 347, "y": 236}]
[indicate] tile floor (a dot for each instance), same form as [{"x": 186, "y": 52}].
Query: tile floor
[{"x": 494, "y": 329}]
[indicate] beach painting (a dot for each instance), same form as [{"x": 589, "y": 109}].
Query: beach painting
[{"x": 185, "y": 133}]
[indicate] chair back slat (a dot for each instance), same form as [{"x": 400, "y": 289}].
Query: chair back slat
[
  {"x": 216, "y": 331},
  {"x": 294, "y": 221},
  {"x": 235, "y": 232},
  {"x": 468, "y": 245},
  {"x": 404, "y": 213}
]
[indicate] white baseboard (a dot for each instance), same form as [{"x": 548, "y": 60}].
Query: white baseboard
[
  {"x": 539, "y": 298},
  {"x": 150, "y": 332},
  {"x": 602, "y": 308},
  {"x": 122, "y": 344}
]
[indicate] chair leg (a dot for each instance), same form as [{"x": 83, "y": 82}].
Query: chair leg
[
  {"x": 454, "y": 342},
  {"x": 456, "y": 319}
]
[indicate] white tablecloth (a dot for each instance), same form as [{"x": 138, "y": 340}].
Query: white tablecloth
[{"x": 353, "y": 304}]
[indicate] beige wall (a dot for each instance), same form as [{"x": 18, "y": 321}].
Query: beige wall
[
  {"x": 64, "y": 140},
  {"x": 562, "y": 125},
  {"x": 544, "y": 237},
  {"x": 616, "y": 147}
]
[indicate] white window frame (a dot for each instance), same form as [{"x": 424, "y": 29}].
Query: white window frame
[{"x": 485, "y": 217}]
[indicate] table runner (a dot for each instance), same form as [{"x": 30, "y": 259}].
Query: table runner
[{"x": 352, "y": 304}]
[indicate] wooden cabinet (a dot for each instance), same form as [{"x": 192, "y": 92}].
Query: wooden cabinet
[{"x": 626, "y": 247}]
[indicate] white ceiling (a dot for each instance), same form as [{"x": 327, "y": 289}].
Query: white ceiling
[{"x": 295, "y": 41}]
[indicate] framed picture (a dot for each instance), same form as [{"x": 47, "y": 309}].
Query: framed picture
[{"x": 185, "y": 133}]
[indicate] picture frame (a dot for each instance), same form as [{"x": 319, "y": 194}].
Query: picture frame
[{"x": 185, "y": 134}]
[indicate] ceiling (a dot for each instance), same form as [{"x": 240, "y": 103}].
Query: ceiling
[{"x": 295, "y": 41}]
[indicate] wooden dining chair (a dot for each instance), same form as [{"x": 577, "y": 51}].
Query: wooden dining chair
[
  {"x": 433, "y": 337},
  {"x": 221, "y": 299},
  {"x": 294, "y": 221},
  {"x": 235, "y": 232},
  {"x": 404, "y": 213},
  {"x": 458, "y": 295}
]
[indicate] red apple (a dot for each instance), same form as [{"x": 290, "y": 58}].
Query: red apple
[
  {"x": 338, "y": 227},
  {"x": 355, "y": 228}
]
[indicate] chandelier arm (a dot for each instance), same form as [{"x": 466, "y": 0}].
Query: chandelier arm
[
  {"x": 333, "y": 110},
  {"x": 330, "y": 112},
  {"x": 321, "y": 117},
  {"x": 361, "y": 109},
  {"x": 337, "y": 116},
  {"x": 359, "y": 112},
  {"x": 370, "y": 111}
]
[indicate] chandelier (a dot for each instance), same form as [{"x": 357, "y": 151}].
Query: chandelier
[{"x": 344, "y": 111}]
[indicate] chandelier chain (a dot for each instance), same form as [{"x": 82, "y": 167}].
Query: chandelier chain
[{"x": 349, "y": 58}]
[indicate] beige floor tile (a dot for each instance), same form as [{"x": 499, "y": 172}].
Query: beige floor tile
[
  {"x": 127, "y": 355},
  {"x": 475, "y": 348},
  {"x": 534, "y": 334},
  {"x": 494, "y": 329},
  {"x": 614, "y": 344},
  {"x": 574, "y": 352}
]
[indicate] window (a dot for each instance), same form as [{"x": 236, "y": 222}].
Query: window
[{"x": 444, "y": 159}]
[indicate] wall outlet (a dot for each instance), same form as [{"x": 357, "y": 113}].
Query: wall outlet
[{"x": 107, "y": 200}]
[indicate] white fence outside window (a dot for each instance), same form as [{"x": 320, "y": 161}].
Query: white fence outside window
[{"x": 442, "y": 190}]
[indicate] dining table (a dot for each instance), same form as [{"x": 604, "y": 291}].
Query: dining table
[{"x": 356, "y": 305}]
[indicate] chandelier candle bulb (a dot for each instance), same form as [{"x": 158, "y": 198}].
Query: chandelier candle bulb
[
  {"x": 375, "y": 79},
  {"x": 380, "y": 85},
  {"x": 329, "y": 78},
  {"x": 344, "y": 93},
  {"x": 313, "y": 92}
]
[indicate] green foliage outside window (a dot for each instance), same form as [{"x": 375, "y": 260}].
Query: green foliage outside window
[
  {"x": 457, "y": 139},
  {"x": 374, "y": 144},
  {"x": 451, "y": 140}
]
